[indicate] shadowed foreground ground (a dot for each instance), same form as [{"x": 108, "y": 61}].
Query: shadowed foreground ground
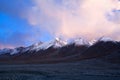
[{"x": 82, "y": 70}]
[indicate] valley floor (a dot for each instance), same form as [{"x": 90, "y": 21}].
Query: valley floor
[{"x": 82, "y": 70}]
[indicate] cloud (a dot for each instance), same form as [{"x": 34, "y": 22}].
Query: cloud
[
  {"x": 23, "y": 22},
  {"x": 85, "y": 18},
  {"x": 114, "y": 16},
  {"x": 14, "y": 29}
]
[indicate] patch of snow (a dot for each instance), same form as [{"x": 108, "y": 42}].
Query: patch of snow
[
  {"x": 14, "y": 51},
  {"x": 54, "y": 43},
  {"x": 79, "y": 41},
  {"x": 35, "y": 46},
  {"x": 105, "y": 39},
  {"x": 4, "y": 51},
  {"x": 92, "y": 42}
]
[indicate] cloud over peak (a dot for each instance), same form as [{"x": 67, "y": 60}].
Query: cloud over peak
[
  {"x": 34, "y": 20},
  {"x": 77, "y": 17}
]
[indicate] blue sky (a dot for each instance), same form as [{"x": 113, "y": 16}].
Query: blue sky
[
  {"x": 14, "y": 30},
  {"x": 24, "y": 22}
]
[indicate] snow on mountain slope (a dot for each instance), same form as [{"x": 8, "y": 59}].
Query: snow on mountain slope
[
  {"x": 57, "y": 42},
  {"x": 105, "y": 39},
  {"x": 92, "y": 42},
  {"x": 17, "y": 50},
  {"x": 79, "y": 41},
  {"x": 54, "y": 43},
  {"x": 14, "y": 51},
  {"x": 10, "y": 51},
  {"x": 4, "y": 51},
  {"x": 33, "y": 47}
]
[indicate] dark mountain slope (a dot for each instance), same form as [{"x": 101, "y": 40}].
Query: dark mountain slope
[{"x": 105, "y": 51}]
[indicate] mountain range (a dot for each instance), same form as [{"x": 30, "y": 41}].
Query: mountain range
[{"x": 58, "y": 50}]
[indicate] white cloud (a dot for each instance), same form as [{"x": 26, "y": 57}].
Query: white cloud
[{"x": 86, "y": 18}]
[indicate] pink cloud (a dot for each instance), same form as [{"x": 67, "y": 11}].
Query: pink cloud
[
  {"x": 5, "y": 46},
  {"x": 75, "y": 18}
]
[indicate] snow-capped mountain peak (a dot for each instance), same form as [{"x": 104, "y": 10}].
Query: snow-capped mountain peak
[
  {"x": 79, "y": 41},
  {"x": 14, "y": 51},
  {"x": 57, "y": 42},
  {"x": 36, "y": 45},
  {"x": 17, "y": 50},
  {"x": 4, "y": 51},
  {"x": 105, "y": 39},
  {"x": 92, "y": 42}
]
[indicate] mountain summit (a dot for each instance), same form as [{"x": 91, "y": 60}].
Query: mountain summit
[
  {"x": 58, "y": 50},
  {"x": 56, "y": 43}
]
